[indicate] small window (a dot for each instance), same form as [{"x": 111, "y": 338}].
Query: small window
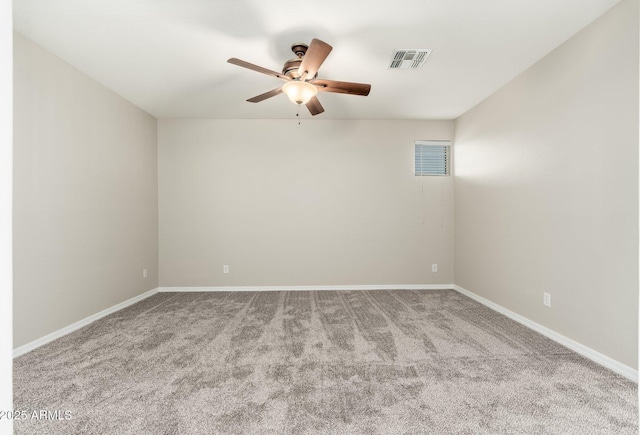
[{"x": 432, "y": 157}]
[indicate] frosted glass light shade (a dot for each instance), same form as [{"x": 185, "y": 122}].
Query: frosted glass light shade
[{"x": 299, "y": 92}]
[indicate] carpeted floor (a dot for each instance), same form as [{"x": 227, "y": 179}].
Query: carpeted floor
[{"x": 388, "y": 362}]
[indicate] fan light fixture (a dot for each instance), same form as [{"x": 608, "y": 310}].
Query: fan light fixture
[
  {"x": 301, "y": 76},
  {"x": 299, "y": 92}
]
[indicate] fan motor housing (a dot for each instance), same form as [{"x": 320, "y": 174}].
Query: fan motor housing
[{"x": 290, "y": 68}]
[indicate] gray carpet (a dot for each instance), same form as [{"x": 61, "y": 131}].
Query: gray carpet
[{"x": 388, "y": 362}]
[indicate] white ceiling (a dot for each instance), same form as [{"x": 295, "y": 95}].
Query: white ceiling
[{"x": 169, "y": 56}]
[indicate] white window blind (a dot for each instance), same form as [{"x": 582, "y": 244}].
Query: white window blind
[{"x": 432, "y": 157}]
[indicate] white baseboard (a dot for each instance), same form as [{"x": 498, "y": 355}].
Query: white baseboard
[
  {"x": 79, "y": 324},
  {"x": 308, "y": 287},
  {"x": 581, "y": 349}
]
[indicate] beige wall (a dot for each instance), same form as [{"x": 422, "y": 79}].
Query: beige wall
[
  {"x": 85, "y": 190},
  {"x": 547, "y": 189},
  {"x": 323, "y": 203},
  {"x": 6, "y": 204}
]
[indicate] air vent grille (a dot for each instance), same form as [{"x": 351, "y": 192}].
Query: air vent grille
[{"x": 410, "y": 58}]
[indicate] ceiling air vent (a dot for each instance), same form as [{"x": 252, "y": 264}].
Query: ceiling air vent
[{"x": 412, "y": 58}]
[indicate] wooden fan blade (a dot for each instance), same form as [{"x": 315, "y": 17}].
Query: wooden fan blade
[
  {"x": 262, "y": 97},
  {"x": 259, "y": 69},
  {"x": 313, "y": 58},
  {"x": 342, "y": 87},
  {"x": 314, "y": 106}
]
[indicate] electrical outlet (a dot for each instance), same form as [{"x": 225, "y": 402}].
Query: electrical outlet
[
  {"x": 144, "y": 273},
  {"x": 225, "y": 269},
  {"x": 546, "y": 299},
  {"x": 434, "y": 268}
]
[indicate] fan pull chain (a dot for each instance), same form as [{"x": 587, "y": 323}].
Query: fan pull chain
[{"x": 298, "y": 114}]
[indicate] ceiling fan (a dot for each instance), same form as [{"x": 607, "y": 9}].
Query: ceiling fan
[{"x": 301, "y": 77}]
